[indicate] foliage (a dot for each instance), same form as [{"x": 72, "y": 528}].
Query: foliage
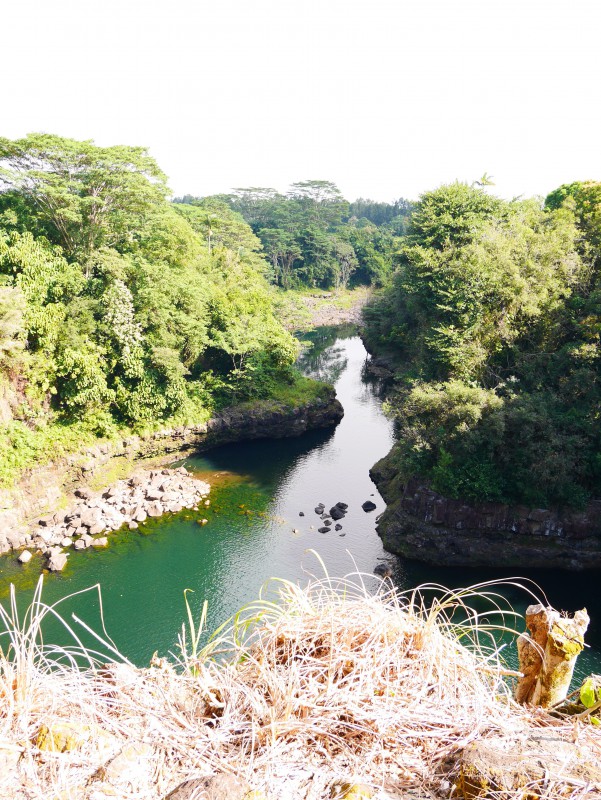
[
  {"x": 312, "y": 236},
  {"x": 119, "y": 309},
  {"x": 493, "y": 319}
]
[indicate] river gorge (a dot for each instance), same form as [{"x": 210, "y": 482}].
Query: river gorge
[{"x": 262, "y": 524}]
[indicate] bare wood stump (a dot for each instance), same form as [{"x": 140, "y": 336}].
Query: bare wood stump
[{"x": 548, "y": 655}]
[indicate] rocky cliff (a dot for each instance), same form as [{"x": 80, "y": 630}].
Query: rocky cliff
[{"x": 421, "y": 524}]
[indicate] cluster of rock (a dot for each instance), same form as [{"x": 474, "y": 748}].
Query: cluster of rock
[
  {"x": 125, "y": 503},
  {"x": 337, "y": 512},
  {"x": 44, "y": 486}
]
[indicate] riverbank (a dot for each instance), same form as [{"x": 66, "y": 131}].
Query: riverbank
[
  {"x": 304, "y": 310},
  {"x": 147, "y": 494},
  {"x": 422, "y": 524},
  {"x": 52, "y": 488},
  {"x": 327, "y": 692}
]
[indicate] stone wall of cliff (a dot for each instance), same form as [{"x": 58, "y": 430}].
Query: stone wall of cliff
[{"x": 421, "y": 524}]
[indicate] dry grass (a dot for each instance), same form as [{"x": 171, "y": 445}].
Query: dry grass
[{"x": 301, "y": 688}]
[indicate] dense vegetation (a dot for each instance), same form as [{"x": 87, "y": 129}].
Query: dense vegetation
[
  {"x": 119, "y": 309},
  {"x": 312, "y": 236},
  {"x": 493, "y": 318}
]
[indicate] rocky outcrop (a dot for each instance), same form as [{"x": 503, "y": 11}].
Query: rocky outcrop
[
  {"x": 53, "y": 486},
  {"x": 421, "y": 524}
]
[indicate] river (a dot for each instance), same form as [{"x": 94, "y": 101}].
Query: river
[{"x": 255, "y": 531}]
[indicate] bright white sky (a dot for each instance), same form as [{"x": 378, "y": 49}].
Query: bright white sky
[{"x": 387, "y": 98}]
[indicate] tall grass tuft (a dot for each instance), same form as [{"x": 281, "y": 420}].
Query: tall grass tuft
[{"x": 299, "y": 689}]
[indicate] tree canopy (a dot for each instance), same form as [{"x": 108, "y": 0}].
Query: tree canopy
[
  {"x": 313, "y": 237},
  {"x": 117, "y": 307},
  {"x": 493, "y": 317}
]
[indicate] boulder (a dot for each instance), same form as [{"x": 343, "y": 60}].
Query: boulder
[
  {"x": 154, "y": 510},
  {"x": 337, "y": 513},
  {"x": 16, "y": 538},
  {"x": 66, "y": 542},
  {"x": 90, "y": 517},
  {"x": 368, "y": 505},
  {"x": 324, "y": 530},
  {"x": 25, "y": 557},
  {"x": 57, "y": 562},
  {"x": 140, "y": 515},
  {"x": 102, "y": 541},
  {"x": 98, "y": 527}
]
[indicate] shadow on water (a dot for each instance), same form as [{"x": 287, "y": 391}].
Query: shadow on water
[{"x": 255, "y": 529}]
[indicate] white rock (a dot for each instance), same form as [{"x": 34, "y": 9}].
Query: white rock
[
  {"x": 57, "y": 562},
  {"x": 102, "y": 541},
  {"x": 25, "y": 557}
]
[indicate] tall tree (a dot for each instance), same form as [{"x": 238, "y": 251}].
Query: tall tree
[{"x": 81, "y": 196}]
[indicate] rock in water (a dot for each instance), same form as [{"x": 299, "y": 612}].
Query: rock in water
[
  {"x": 368, "y": 505},
  {"x": 57, "y": 562},
  {"x": 383, "y": 570},
  {"x": 337, "y": 513},
  {"x": 323, "y": 530}
]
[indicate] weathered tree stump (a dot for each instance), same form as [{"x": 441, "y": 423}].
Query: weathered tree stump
[{"x": 548, "y": 655}]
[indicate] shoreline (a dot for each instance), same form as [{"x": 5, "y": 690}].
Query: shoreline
[
  {"x": 126, "y": 503},
  {"x": 53, "y": 489}
]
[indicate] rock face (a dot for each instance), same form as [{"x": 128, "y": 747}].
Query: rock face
[{"x": 421, "y": 524}]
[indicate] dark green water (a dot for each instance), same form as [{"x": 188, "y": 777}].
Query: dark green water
[{"x": 259, "y": 488}]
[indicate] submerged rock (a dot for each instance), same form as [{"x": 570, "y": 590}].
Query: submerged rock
[{"x": 383, "y": 570}]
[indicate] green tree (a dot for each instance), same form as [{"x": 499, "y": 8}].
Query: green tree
[{"x": 78, "y": 194}]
